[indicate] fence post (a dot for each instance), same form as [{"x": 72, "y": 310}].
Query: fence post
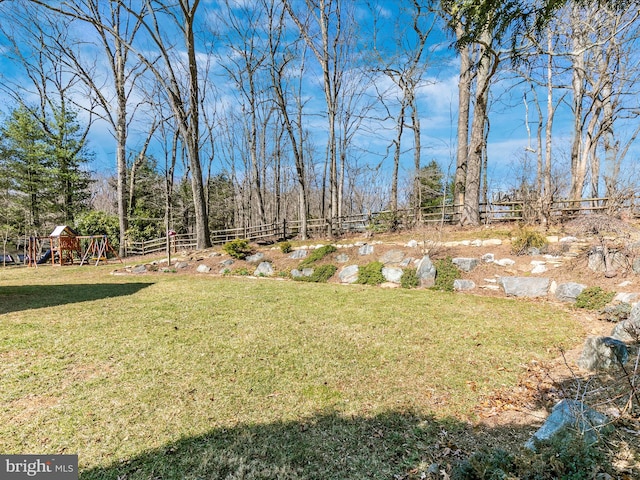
[{"x": 284, "y": 229}]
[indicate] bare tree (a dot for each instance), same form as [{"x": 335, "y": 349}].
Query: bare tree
[
  {"x": 487, "y": 60},
  {"x": 246, "y": 64},
  {"x": 169, "y": 67},
  {"x": 116, "y": 29},
  {"x": 328, "y": 19},
  {"x": 464, "y": 104},
  {"x": 288, "y": 98},
  {"x": 406, "y": 68},
  {"x": 604, "y": 72},
  {"x": 478, "y": 65}
]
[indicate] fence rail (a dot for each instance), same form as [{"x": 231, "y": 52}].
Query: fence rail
[{"x": 511, "y": 210}]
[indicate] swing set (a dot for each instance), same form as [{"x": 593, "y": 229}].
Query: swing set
[{"x": 65, "y": 246}]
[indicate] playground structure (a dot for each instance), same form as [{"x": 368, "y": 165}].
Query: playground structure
[{"x": 65, "y": 246}]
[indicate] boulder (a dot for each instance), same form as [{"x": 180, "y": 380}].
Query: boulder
[
  {"x": 602, "y": 353},
  {"x": 568, "y": 240},
  {"x": 412, "y": 243},
  {"x": 365, "y": 249},
  {"x": 505, "y": 262},
  {"x": 491, "y": 242},
  {"x": 227, "y": 263},
  {"x": 306, "y": 272},
  {"x": 626, "y": 297},
  {"x": 181, "y": 265},
  {"x": 342, "y": 258},
  {"x": 488, "y": 258},
  {"x": 465, "y": 264},
  {"x": 635, "y": 265},
  {"x": 540, "y": 268},
  {"x": 392, "y": 274},
  {"x": 349, "y": 274},
  {"x": 620, "y": 261},
  {"x": 568, "y": 292},
  {"x": 525, "y": 286},
  {"x": 597, "y": 263},
  {"x": 298, "y": 254},
  {"x": 426, "y": 272},
  {"x": 461, "y": 285},
  {"x": 139, "y": 269},
  {"x": 405, "y": 262},
  {"x": 202, "y": 268},
  {"x": 264, "y": 269},
  {"x": 393, "y": 257},
  {"x": 628, "y": 330},
  {"x": 574, "y": 415},
  {"x": 255, "y": 258}
]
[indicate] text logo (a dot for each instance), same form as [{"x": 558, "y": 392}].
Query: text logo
[{"x": 39, "y": 467}]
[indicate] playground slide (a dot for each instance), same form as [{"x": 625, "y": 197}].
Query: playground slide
[{"x": 45, "y": 258}]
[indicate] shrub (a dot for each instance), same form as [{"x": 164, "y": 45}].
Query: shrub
[
  {"x": 566, "y": 456},
  {"x": 100, "y": 223},
  {"x": 241, "y": 271},
  {"x": 320, "y": 274},
  {"x": 317, "y": 254},
  {"x": 238, "y": 248},
  {"x": 446, "y": 273},
  {"x": 526, "y": 238},
  {"x": 371, "y": 274},
  {"x": 285, "y": 247},
  {"x": 384, "y": 222},
  {"x": 409, "y": 278},
  {"x": 485, "y": 464},
  {"x": 594, "y": 298},
  {"x": 616, "y": 313}
]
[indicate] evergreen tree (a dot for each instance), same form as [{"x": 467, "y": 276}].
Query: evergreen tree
[
  {"x": 25, "y": 157},
  {"x": 44, "y": 161},
  {"x": 69, "y": 156},
  {"x": 221, "y": 202},
  {"x": 431, "y": 182},
  {"x": 146, "y": 199}
]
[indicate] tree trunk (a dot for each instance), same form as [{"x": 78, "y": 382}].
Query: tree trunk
[
  {"x": 396, "y": 158},
  {"x": 464, "y": 101},
  {"x": 487, "y": 65},
  {"x": 192, "y": 133}
]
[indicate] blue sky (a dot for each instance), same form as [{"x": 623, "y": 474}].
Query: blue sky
[{"x": 508, "y": 137}]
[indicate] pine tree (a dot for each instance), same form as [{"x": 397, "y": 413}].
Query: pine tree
[
  {"x": 69, "y": 156},
  {"x": 44, "y": 159},
  {"x": 25, "y": 155}
]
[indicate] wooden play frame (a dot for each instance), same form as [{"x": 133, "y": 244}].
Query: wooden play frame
[{"x": 67, "y": 247}]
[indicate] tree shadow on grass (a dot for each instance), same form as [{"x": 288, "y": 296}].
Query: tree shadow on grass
[
  {"x": 396, "y": 445},
  {"x": 393, "y": 445},
  {"x": 27, "y": 297}
]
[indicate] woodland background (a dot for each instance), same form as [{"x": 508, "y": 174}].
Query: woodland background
[{"x": 137, "y": 117}]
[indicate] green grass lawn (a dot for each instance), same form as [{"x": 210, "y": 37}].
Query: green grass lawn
[{"x": 189, "y": 377}]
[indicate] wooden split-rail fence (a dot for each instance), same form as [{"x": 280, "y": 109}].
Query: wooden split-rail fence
[{"x": 498, "y": 211}]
